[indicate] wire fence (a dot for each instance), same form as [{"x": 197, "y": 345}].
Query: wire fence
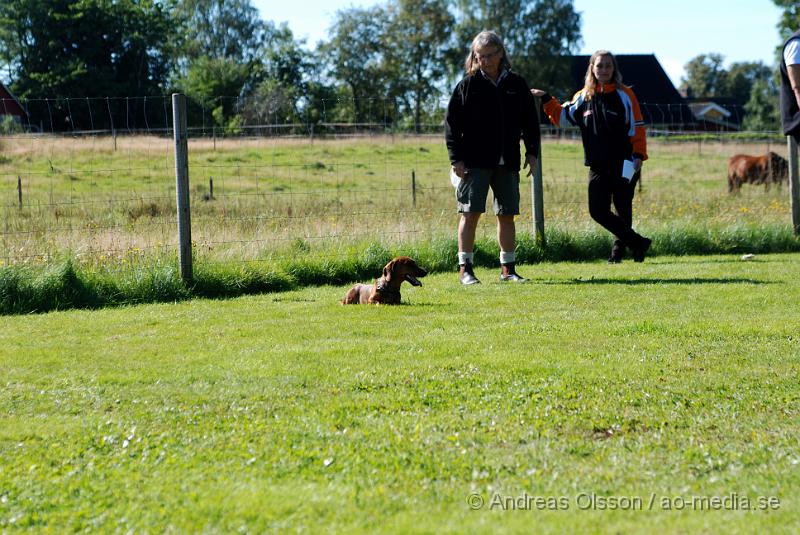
[
  {"x": 280, "y": 117},
  {"x": 96, "y": 180}
]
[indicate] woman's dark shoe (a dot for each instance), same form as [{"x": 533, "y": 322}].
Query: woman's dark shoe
[
  {"x": 617, "y": 253},
  {"x": 466, "y": 275},
  {"x": 638, "y": 253},
  {"x": 508, "y": 273}
]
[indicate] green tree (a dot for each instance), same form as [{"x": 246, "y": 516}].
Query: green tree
[
  {"x": 84, "y": 48},
  {"x": 762, "y": 108},
  {"x": 536, "y": 33},
  {"x": 273, "y": 103},
  {"x": 741, "y": 76},
  {"x": 319, "y": 103},
  {"x": 416, "y": 51},
  {"x": 286, "y": 86},
  {"x": 217, "y": 29},
  {"x": 790, "y": 18},
  {"x": 215, "y": 84},
  {"x": 256, "y": 71},
  {"x": 284, "y": 59},
  {"x": 356, "y": 54},
  {"x": 705, "y": 76}
]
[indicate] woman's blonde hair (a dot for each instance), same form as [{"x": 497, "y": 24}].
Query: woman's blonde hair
[
  {"x": 590, "y": 82},
  {"x": 484, "y": 39}
]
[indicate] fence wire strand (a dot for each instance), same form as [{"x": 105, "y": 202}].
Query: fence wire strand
[{"x": 74, "y": 184}]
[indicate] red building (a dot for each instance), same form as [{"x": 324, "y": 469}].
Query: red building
[{"x": 9, "y": 105}]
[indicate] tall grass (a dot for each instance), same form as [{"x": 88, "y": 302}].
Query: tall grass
[{"x": 70, "y": 283}]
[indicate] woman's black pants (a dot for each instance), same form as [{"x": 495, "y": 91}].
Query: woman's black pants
[{"x": 606, "y": 188}]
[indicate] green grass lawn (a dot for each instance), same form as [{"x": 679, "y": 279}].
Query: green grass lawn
[{"x": 659, "y": 382}]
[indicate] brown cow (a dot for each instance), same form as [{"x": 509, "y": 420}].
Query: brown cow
[{"x": 768, "y": 169}]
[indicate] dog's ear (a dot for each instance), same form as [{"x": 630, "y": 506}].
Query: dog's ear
[{"x": 388, "y": 269}]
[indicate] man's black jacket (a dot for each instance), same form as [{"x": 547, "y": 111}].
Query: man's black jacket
[
  {"x": 790, "y": 111},
  {"x": 485, "y": 121}
]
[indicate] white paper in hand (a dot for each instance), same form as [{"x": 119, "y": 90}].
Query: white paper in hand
[
  {"x": 628, "y": 170},
  {"x": 454, "y": 180}
]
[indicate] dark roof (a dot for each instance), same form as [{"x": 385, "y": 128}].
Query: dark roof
[
  {"x": 9, "y": 105},
  {"x": 659, "y": 100}
]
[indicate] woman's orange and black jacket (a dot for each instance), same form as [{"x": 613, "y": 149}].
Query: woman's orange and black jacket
[{"x": 610, "y": 122}]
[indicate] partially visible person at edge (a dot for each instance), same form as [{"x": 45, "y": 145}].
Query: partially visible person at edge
[
  {"x": 489, "y": 109},
  {"x": 790, "y": 87},
  {"x": 612, "y": 129}
]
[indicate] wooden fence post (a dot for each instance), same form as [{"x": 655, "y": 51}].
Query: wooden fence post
[
  {"x": 182, "y": 185},
  {"x": 19, "y": 190},
  {"x": 794, "y": 184},
  {"x": 537, "y": 191},
  {"x": 413, "y": 189}
]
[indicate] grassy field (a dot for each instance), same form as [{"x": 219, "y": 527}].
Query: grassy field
[
  {"x": 632, "y": 398},
  {"x": 102, "y": 205}
]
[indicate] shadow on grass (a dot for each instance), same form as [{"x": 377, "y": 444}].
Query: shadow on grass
[
  {"x": 293, "y": 300},
  {"x": 401, "y": 304},
  {"x": 634, "y": 282},
  {"x": 696, "y": 260}
]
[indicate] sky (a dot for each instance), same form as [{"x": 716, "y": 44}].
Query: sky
[{"x": 675, "y": 30}]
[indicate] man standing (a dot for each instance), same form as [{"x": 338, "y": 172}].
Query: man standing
[
  {"x": 489, "y": 109},
  {"x": 790, "y": 87}
]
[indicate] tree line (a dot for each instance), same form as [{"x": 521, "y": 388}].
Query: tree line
[
  {"x": 750, "y": 87},
  {"x": 239, "y": 68},
  {"x": 390, "y": 63}
]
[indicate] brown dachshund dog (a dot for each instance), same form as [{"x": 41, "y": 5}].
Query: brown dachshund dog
[{"x": 386, "y": 290}]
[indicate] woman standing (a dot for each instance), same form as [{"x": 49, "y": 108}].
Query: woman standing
[{"x": 612, "y": 130}]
